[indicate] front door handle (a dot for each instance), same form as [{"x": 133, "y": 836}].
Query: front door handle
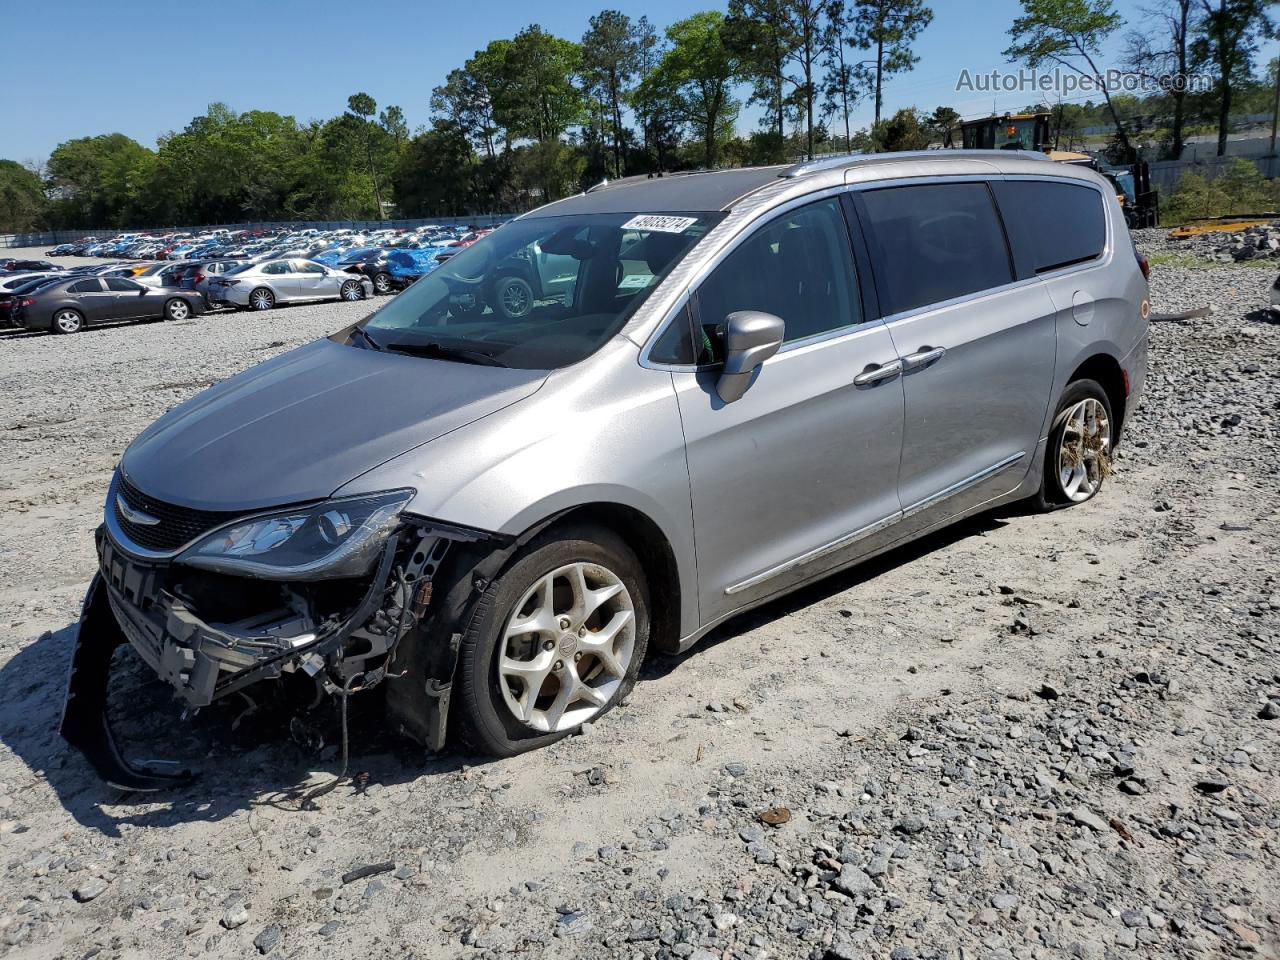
[
  {"x": 923, "y": 357},
  {"x": 878, "y": 373}
]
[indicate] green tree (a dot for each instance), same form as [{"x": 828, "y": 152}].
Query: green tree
[
  {"x": 98, "y": 181},
  {"x": 761, "y": 37},
  {"x": 888, "y": 27},
  {"x": 610, "y": 59},
  {"x": 434, "y": 175},
  {"x": 941, "y": 123},
  {"x": 1165, "y": 56},
  {"x": 1227, "y": 37},
  {"x": 903, "y": 131},
  {"x": 1069, "y": 33},
  {"x": 694, "y": 81},
  {"x": 22, "y": 200},
  {"x": 845, "y": 79},
  {"x": 363, "y": 106}
]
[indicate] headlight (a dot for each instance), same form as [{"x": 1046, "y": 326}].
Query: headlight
[{"x": 336, "y": 538}]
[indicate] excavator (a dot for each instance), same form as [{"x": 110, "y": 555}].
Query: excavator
[{"x": 1032, "y": 131}]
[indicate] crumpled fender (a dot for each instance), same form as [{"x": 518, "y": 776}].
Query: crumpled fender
[{"x": 84, "y": 712}]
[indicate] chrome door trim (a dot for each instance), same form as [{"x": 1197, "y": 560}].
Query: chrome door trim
[
  {"x": 872, "y": 528},
  {"x": 962, "y": 485},
  {"x": 815, "y": 553}
]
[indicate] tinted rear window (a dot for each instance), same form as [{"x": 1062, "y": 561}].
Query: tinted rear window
[
  {"x": 935, "y": 242},
  {"x": 86, "y": 286},
  {"x": 1079, "y": 231}
]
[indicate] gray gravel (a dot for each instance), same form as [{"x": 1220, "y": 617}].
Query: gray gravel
[{"x": 1031, "y": 736}]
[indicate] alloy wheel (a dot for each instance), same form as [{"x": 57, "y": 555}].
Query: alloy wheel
[
  {"x": 351, "y": 291},
  {"x": 567, "y": 647},
  {"x": 1084, "y": 455},
  {"x": 68, "y": 321},
  {"x": 262, "y": 300},
  {"x": 382, "y": 283},
  {"x": 515, "y": 299},
  {"x": 178, "y": 310}
]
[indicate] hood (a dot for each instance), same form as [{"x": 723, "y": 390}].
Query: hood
[{"x": 305, "y": 423}]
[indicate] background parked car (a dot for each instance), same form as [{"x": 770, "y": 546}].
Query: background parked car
[
  {"x": 12, "y": 265},
  {"x": 11, "y": 296},
  {"x": 260, "y": 286},
  {"x": 68, "y": 306}
]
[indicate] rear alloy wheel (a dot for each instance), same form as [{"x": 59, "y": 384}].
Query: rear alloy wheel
[
  {"x": 515, "y": 297},
  {"x": 1078, "y": 458},
  {"x": 382, "y": 283},
  {"x": 556, "y": 641},
  {"x": 68, "y": 321},
  {"x": 177, "y": 309},
  {"x": 262, "y": 299},
  {"x": 351, "y": 290}
]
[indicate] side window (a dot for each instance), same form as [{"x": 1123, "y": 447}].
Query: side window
[
  {"x": 302, "y": 266},
  {"x": 277, "y": 267},
  {"x": 86, "y": 286},
  {"x": 935, "y": 242},
  {"x": 119, "y": 285},
  {"x": 1079, "y": 231},
  {"x": 798, "y": 266}
]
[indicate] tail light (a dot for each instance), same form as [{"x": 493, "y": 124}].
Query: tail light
[
  {"x": 28, "y": 302},
  {"x": 198, "y": 278},
  {"x": 1143, "y": 263}
]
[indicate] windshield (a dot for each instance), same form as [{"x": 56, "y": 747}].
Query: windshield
[{"x": 540, "y": 293}]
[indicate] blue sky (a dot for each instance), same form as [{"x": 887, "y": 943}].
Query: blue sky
[{"x": 143, "y": 68}]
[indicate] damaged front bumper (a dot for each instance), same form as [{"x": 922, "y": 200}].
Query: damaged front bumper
[{"x": 352, "y": 646}]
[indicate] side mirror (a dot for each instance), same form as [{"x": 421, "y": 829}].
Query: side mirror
[{"x": 751, "y": 337}]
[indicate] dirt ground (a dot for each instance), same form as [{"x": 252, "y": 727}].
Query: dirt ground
[{"x": 1028, "y": 736}]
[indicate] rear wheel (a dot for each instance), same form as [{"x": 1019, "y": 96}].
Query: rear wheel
[
  {"x": 68, "y": 321},
  {"x": 382, "y": 283},
  {"x": 556, "y": 641},
  {"x": 262, "y": 299},
  {"x": 351, "y": 290},
  {"x": 1078, "y": 456},
  {"x": 177, "y": 309}
]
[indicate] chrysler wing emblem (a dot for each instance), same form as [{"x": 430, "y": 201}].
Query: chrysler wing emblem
[{"x": 136, "y": 517}]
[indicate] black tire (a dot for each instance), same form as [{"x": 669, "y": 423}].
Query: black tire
[
  {"x": 66, "y": 320},
  {"x": 261, "y": 299},
  {"x": 1052, "y": 495},
  {"x": 514, "y": 297},
  {"x": 351, "y": 291},
  {"x": 177, "y": 309},
  {"x": 382, "y": 283},
  {"x": 481, "y": 721}
]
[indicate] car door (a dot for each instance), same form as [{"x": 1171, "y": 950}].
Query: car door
[
  {"x": 282, "y": 279},
  {"x": 133, "y": 300},
  {"x": 313, "y": 283},
  {"x": 93, "y": 299},
  {"x": 799, "y": 474},
  {"x": 976, "y": 345}
]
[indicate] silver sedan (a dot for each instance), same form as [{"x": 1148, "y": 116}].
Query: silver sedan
[{"x": 260, "y": 286}]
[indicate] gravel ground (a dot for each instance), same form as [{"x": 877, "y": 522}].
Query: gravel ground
[{"x": 1030, "y": 736}]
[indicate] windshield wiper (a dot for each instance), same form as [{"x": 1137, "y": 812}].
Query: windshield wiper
[
  {"x": 372, "y": 343},
  {"x": 441, "y": 352}
]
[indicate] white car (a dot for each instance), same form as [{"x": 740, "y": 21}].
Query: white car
[{"x": 260, "y": 286}]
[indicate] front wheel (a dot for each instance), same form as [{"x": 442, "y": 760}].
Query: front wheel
[
  {"x": 351, "y": 290},
  {"x": 177, "y": 309},
  {"x": 515, "y": 297},
  {"x": 556, "y": 640},
  {"x": 382, "y": 283},
  {"x": 1078, "y": 455}
]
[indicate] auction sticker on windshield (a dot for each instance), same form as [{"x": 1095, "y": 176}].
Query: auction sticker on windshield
[{"x": 661, "y": 224}]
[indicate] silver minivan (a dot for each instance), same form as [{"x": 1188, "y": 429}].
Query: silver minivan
[{"x": 753, "y": 378}]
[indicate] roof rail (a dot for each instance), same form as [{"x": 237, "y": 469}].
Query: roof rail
[{"x": 855, "y": 159}]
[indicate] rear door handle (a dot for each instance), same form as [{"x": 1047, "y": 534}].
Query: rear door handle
[
  {"x": 923, "y": 357},
  {"x": 878, "y": 373}
]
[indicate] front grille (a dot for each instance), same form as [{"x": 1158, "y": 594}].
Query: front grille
[{"x": 178, "y": 526}]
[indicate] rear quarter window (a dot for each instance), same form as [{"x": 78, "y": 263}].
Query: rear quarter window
[{"x": 1051, "y": 224}]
